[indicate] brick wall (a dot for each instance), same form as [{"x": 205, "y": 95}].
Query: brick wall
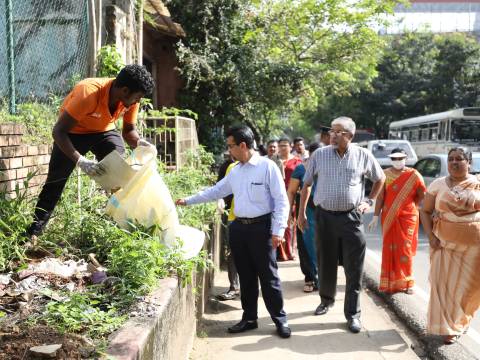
[{"x": 17, "y": 160}]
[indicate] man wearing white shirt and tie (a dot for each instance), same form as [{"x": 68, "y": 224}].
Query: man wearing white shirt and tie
[{"x": 261, "y": 210}]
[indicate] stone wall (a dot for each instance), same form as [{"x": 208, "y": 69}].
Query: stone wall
[{"x": 19, "y": 162}]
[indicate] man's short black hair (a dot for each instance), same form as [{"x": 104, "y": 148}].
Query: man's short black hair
[
  {"x": 285, "y": 139},
  {"x": 241, "y": 133},
  {"x": 271, "y": 141},
  {"x": 298, "y": 139},
  {"x": 136, "y": 78},
  {"x": 313, "y": 146}
]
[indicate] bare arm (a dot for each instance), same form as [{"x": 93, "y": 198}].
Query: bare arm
[
  {"x": 379, "y": 202},
  {"x": 376, "y": 188},
  {"x": 60, "y": 132},
  {"x": 302, "y": 211},
  {"x": 292, "y": 190},
  {"x": 426, "y": 216},
  {"x": 130, "y": 135}
]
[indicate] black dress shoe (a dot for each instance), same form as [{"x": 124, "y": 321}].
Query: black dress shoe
[
  {"x": 322, "y": 309},
  {"x": 284, "y": 331},
  {"x": 242, "y": 326},
  {"x": 354, "y": 325}
]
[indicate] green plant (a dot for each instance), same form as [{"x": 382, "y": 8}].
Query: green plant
[
  {"x": 84, "y": 312},
  {"x": 109, "y": 61},
  {"x": 38, "y": 119},
  {"x": 15, "y": 216}
]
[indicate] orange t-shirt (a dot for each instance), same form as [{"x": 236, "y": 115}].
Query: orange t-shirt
[{"x": 88, "y": 104}]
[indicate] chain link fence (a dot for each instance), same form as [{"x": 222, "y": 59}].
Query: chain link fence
[{"x": 44, "y": 46}]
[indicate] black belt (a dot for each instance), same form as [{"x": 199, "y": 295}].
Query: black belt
[
  {"x": 343, "y": 212},
  {"x": 247, "y": 221}
]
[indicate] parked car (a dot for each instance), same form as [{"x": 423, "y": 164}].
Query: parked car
[
  {"x": 435, "y": 166},
  {"x": 382, "y": 148}
]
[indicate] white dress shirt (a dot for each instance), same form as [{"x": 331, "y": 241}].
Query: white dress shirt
[{"x": 258, "y": 189}]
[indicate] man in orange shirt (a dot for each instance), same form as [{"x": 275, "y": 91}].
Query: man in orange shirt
[{"x": 86, "y": 123}]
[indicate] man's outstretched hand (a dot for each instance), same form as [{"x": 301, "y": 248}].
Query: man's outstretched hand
[{"x": 181, "y": 202}]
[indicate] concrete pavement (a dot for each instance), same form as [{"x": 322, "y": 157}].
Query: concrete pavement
[{"x": 313, "y": 337}]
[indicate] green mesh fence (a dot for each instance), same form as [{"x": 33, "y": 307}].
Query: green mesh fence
[{"x": 50, "y": 47}]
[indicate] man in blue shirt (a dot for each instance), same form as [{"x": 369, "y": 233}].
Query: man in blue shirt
[{"x": 261, "y": 210}]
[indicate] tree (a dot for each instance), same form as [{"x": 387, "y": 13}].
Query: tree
[
  {"x": 419, "y": 73},
  {"x": 260, "y": 62}
]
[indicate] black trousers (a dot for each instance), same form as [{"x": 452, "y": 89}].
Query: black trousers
[
  {"x": 340, "y": 236},
  {"x": 255, "y": 258},
  {"x": 60, "y": 168}
]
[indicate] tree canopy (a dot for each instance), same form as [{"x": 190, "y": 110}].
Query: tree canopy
[
  {"x": 419, "y": 74},
  {"x": 263, "y": 62}
]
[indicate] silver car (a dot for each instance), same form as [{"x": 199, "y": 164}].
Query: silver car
[{"x": 434, "y": 166}]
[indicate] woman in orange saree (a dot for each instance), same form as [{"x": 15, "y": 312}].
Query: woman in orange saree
[
  {"x": 403, "y": 190},
  {"x": 451, "y": 219}
]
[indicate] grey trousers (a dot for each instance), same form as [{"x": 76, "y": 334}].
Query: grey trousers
[{"x": 340, "y": 235}]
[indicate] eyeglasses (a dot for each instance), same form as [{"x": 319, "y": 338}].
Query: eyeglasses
[
  {"x": 457, "y": 159},
  {"x": 337, "y": 133},
  {"x": 230, "y": 146}
]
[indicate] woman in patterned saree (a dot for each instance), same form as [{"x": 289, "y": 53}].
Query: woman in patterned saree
[
  {"x": 403, "y": 190},
  {"x": 451, "y": 219}
]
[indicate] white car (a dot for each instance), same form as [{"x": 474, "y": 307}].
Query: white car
[
  {"x": 382, "y": 148},
  {"x": 434, "y": 166}
]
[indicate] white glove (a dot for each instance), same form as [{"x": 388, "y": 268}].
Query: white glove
[
  {"x": 90, "y": 167},
  {"x": 143, "y": 142},
  {"x": 373, "y": 224}
]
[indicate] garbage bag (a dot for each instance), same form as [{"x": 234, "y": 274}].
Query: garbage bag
[{"x": 146, "y": 200}]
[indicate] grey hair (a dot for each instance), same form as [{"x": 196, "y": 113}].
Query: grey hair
[{"x": 347, "y": 123}]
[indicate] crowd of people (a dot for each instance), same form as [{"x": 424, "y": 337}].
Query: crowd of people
[
  {"x": 311, "y": 200},
  {"x": 291, "y": 197}
]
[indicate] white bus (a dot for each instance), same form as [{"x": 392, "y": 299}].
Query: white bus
[{"x": 437, "y": 133}]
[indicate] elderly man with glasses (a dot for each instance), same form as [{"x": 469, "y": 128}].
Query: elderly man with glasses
[{"x": 340, "y": 169}]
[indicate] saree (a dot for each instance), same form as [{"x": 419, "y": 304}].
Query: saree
[
  {"x": 400, "y": 220},
  {"x": 454, "y": 267},
  {"x": 287, "y": 248}
]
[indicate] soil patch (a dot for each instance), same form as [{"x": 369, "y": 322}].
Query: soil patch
[{"x": 15, "y": 345}]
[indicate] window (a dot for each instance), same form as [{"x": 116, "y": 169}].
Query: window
[
  {"x": 433, "y": 133},
  {"x": 441, "y": 133},
  {"x": 424, "y": 135},
  {"x": 429, "y": 167},
  {"x": 413, "y": 135}
]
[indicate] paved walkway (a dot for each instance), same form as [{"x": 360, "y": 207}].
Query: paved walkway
[{"x": 313, "y": 337}]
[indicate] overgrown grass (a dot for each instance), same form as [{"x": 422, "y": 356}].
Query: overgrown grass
[
  {"x": 135, "y": 259},
  {"x": 38, "y": 119}
]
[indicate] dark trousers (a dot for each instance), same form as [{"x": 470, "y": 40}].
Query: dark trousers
[
  {"x": 308, "y": 268},
  {"x": 255, "y": 258},
  {"x": 340, "y": 236},
  {"x": 231, "y": 268},
  {"x": 60, "y": 168}
]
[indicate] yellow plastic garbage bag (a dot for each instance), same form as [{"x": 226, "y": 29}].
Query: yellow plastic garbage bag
[{"x": 145, "y": 199}]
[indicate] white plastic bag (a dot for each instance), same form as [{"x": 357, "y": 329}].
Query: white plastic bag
[{"x": 145, "y": 199}]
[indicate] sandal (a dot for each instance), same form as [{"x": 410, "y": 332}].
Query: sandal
[
  {"x": 228, "y": 295},
  {"x": 308, "y": 287},
  {"x": 450, "y": 339}
]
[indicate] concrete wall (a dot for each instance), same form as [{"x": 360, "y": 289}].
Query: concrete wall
[
  {"x": 18, "y": 160},
  {"x": 168, "y": 333}
]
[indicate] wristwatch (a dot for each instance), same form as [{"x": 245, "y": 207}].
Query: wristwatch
[{"x": 369, "y": 201}]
